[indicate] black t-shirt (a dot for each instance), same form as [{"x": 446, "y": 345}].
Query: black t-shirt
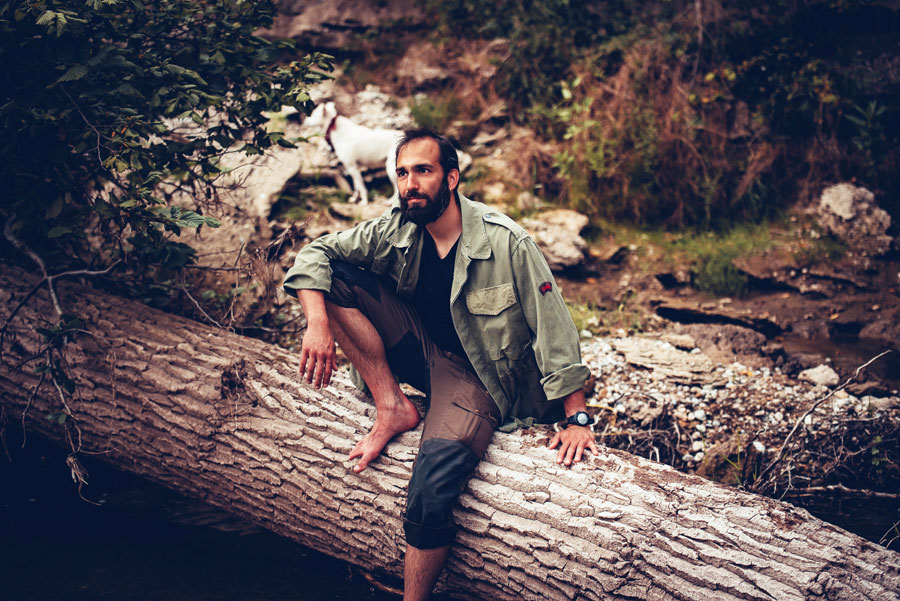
[{"x": 432, "y": 296}]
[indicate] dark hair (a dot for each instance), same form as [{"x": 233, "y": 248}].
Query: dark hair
[{"x": 449, "y": 159}]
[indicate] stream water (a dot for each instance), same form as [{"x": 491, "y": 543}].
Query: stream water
[{"x": 142, "y": 542}]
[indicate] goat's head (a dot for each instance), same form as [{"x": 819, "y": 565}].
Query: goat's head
[{"x": 321, "y": 115}]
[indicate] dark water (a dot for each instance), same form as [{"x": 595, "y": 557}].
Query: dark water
[
  {"x": 847, "y": 354},
  {"x": 143, "y": 542}
]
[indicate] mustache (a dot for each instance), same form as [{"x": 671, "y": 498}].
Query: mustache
[{"x": 411, "y": 194}]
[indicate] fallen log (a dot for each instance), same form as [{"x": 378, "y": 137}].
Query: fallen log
[{"x": 225, "y": 419}]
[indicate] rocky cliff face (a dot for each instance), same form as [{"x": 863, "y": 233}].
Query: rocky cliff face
[{"x": 327, "y": 24}]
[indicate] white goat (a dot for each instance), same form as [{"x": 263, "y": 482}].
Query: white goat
[{"x": 357, "y": 146}]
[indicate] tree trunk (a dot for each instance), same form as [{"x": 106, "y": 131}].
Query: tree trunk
[{"x": 226, "y": 419}]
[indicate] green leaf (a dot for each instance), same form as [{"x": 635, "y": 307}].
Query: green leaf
[
  {"x": 59, "y": 230},
  {"x": 73, "y": 74},
  {"x": 54, "y": 209}
]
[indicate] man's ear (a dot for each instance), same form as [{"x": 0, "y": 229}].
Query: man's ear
[{"x": 453, "y": 179}]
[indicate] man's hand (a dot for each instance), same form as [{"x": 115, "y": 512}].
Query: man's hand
[
  {"x": 317, "y": 355},
  {"x": 572, "y": 442}
]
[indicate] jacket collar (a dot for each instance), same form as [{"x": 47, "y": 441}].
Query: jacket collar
[
  {"x": 474, "y": 237},
  {"x": 474, "y": 240}
]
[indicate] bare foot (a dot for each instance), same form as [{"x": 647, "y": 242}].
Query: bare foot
[{"x": 388, "y": 423}]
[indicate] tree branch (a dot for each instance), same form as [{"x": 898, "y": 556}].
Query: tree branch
[{"x": 761, "y": 478}]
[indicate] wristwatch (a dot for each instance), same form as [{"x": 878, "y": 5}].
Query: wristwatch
[{"x": 579, "y": 419}]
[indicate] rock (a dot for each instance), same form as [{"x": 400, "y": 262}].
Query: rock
[
  {"x": 376, "y": 109},
  {"x": 870, "y": 388},
  {"x": 664, "y": 359},
  {"x": 723, "y": 343},
  {"x": 422, "y": 66},
  {"x": 331, "y": 25},
  {"x": 557, "y": 233},
  {"x": 882, "y": 403},
  {"x": 684, "y": 342},
  {"x": 527, "y": 202},
  {"x": 851, "y": 215},
  {"x": 820, "y": 376}
]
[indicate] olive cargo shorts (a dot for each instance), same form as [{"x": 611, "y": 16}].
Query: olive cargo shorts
[{"x": 461, "y": 415}]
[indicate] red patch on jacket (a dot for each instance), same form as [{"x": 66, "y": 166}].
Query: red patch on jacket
[{"x": 545, "y": 288}]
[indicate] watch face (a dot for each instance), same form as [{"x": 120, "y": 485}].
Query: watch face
[{"x": 582, "y": 419}]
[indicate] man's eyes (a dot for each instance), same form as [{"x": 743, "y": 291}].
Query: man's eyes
[{"x": 403, "y": 172}]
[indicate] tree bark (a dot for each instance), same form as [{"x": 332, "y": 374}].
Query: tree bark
[{"x": 226, "y": 419}]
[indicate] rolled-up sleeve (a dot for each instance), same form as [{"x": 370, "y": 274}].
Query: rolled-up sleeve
[
  {"x": 554, "y": 336},
  {"x": 358, "y": 245}
]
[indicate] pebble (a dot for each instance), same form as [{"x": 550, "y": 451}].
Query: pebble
[{"x": 767, "y": 403}]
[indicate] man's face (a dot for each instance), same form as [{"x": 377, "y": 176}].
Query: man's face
[{"x": 424, "y": 189}]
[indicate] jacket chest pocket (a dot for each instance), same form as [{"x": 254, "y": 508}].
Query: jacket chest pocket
[{"x": 499, "y": 320}]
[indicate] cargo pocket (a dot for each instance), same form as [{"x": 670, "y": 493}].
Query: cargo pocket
[
  {"x": 491, "y": 301},
  {"x": 498, "y": 320}
]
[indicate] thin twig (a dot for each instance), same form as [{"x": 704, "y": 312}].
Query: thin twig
[
  {"x": 28, "y": 405},
  {"x": 893, "y": 528},
  {"x": 199, "y": 308},
  {"x": 62, "y": 397},
  {"x": 860, "y": 492},
  {"x": 7, "y": 232},
  {"x": 784, "y": 445},
  {"x": 89, "y": 124},
  {"x": 10, "y": 317}
]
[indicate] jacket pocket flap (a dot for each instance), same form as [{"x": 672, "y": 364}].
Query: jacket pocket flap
[{"x": 491, "y": 301}]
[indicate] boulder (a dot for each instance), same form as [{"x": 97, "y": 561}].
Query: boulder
[
  {"x": 558, "y": 234},
  {"x": 821, "y": 375},
  {"x": 850, "y": 214}
]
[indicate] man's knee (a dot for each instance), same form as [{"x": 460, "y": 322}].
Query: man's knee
[
  {"x": 439, "y": 476},
  {"x": 347, "y": 281}
]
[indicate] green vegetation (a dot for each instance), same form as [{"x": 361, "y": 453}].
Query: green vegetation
[
  {"x": 697, "y": 116},
  {"x": 708, "y": 255},
  {"x": 116, "y": 115},
  {"x": 604, "y": 321},
  {"x": 434, "y": 113}
]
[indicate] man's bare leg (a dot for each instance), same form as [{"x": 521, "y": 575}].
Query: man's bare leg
[
  {"x": 421, "y": 571},
  {"x": 362, "y": 344}
]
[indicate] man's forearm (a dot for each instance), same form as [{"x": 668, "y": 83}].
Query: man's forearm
[
  {"x": 313, "y": 303},
  {"x": 574, "y": 403}
]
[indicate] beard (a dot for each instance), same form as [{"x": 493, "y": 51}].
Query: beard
[{"x": 431, "y": 210}]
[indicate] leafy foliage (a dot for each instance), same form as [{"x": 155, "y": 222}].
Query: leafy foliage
[
  {"x": 543, "y": 36},
  {"x": 107, "y": 100},
  {"x": 700, "y": 115}
]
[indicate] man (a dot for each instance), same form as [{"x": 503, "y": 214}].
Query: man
[{"x": 455, "y": 299}]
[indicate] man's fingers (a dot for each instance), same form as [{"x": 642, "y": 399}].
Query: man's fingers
[
  {"x": 569, "y": 453},
  {"x": 304, "y": 357},
  {"x": 326, "y": 377},
  {"x": 579, "y": 452},
  {"x": 594, "y": 448},
  {"x": 320, "y": 373},
  {"x": 554, "y": 441}
]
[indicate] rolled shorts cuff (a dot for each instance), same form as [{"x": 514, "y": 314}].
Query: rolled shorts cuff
[{"x": 427, "y": 537}]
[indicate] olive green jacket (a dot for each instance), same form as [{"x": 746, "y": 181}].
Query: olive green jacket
[{"x": 508, "y": 312}]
